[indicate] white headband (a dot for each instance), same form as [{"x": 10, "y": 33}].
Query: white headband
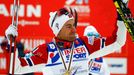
[{"x": 58, "y": 22}]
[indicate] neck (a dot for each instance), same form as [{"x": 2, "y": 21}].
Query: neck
[{"x": 63, "y": 43}]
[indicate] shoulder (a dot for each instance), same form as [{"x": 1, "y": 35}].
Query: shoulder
[
  {"x": 40, "y": 48},
  {"x": 45, "y": 45}
]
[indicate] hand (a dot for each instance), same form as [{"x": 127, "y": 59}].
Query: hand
[
  {"x": 11, "y": 31},
  {"x": 125, "y": 1}
]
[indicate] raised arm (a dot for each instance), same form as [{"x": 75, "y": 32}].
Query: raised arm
[{"x": 119, "y": 42}]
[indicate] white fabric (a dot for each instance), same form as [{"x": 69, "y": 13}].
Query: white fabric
[
  {"x": 58, "y": 22},
  {"x": 106, "y": 68}
]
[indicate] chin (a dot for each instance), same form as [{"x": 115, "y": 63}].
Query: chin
[{"x": 72, "y": 38}]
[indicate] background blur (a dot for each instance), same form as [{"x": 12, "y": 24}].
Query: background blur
[{"x": 33, "y": 27}]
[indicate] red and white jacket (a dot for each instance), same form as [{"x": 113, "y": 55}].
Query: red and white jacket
[{"x": 47, "y": 59}]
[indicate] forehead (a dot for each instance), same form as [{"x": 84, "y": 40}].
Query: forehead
[{"x": 69, "y": 22}]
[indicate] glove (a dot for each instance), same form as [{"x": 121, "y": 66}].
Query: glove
[
  {"x": 125, "y": 1},
  {"x": 11, "y": 31},
  {"x": 91, "y": 31}
]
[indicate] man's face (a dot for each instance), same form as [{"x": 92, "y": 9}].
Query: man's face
[{"x": 68, "y": 31}]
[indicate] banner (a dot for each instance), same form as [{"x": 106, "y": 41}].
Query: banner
[
  {"x": 3, "y": 63},
  {"x": 33, "y": 26},
  {"x": 33, "y": 16}
]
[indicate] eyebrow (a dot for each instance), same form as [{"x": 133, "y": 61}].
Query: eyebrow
[{"x": 68, "y": 24}]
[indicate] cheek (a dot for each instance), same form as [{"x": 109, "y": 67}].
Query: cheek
[
  {"x": 63, "y": 33},
  {"x": 66, "y": 34},
  {"x": 73, "y": 30}
]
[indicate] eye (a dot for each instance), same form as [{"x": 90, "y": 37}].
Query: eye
[{"x": 69, "y": 26}]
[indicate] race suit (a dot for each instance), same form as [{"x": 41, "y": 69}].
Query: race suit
[{"x": 45, "y": 58}]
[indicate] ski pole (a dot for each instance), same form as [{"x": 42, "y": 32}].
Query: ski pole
[{"x": 13, "y": 39}]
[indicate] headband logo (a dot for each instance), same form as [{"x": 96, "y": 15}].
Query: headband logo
[{"x": 57, "y": 26}]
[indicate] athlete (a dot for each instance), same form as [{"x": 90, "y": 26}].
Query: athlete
[{"x": 66, "y": 54}]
